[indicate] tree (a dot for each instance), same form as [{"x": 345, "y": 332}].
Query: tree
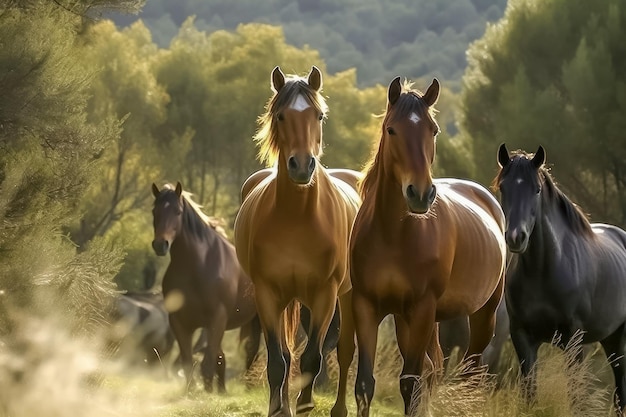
[
  {"x": 50, "y": 153},
  {"x": 124, "y": 89},
  {"x": 554, "y": 73},
  {"x": 218, "y": 85}
]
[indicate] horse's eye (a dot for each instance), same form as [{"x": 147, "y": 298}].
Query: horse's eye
[
  {"x": 280, "y": 117},
  {"x": 321, "y": 116},
  {"x": 538, "y": 190},
  {"x": 391, "y": 131},
  {"x": 178, "y": 212}
]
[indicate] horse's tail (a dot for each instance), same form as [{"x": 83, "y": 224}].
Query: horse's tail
[
  {"x": 435, "y": 353},
  {"x": 291, "y": 322}
]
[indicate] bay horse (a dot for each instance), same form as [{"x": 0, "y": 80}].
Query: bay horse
[
  {"x": 567, "y": 274},
  {"x": 204, "y": 286},
  {"x": 291, "y": 235},
  {"x": 423, "y": 250}
]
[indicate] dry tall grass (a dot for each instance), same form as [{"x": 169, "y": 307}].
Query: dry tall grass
[{"x": 45, "y": 371}]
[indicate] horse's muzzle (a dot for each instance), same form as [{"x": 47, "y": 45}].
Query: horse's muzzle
[
  {"x": 420, "y": 204},
  {"x": 161, "y": 247},
  {"x": 301, "y": 173},
  {"x": 516, "y": 240}
]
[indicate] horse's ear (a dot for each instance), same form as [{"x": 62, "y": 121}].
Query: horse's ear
[
  {"x": 179, "y": 189},
  {"x": 540, "y": 157},
  {"x": 432, "y": 93},
  {"x": 278, "y": 79},
  {"x": 393, "y": 92},
  {"x": 155, "y": 190},
  {"x": 315, "y": 78},
  {"x": 503, "y": 156}
]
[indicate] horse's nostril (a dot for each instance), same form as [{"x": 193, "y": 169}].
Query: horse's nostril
[
  {"x": 312, "y": 165},
  {"x": 410, "y": 191},
  {"x": 522, "y": 236},
  {"x": 433, "y": 193},
  {"x": 292, "y": 163}
]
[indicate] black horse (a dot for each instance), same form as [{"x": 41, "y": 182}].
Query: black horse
[{"x": 566, "y": 275}]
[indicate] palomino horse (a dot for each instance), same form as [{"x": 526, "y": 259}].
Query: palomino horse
[
  {"x": 566, "y": 274},
  {"x": 204, "y": 285},
  {"x": 291, "y": 235},
  {"x": 421, "y": 250}
]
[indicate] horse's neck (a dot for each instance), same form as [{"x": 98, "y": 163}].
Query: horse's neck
[
  {"x": 545, "y": 242},
  {"x": 295, "y": 198},
  {"x": 387, "y": 206},
  {"x": 187, "y": 244}
]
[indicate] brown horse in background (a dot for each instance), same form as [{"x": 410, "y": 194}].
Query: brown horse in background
[
  {"x": 421, "y": 250},
  {"x": 292, "y": 234},
  {"x": 204, "y": 285}
]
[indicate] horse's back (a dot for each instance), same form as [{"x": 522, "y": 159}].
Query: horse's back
[
  {"x": 348, "y": 176},
  {"x": 253, "y": 180},
  {"x": 345, "y": 181},
  {"x": 477, "y": 194},
  {"x": 608, "y": 232}
]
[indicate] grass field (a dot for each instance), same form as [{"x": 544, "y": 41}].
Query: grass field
[{"x": 48, "y": 373}]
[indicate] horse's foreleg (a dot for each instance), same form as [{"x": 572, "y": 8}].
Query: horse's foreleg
[
  {"x": 270, "y": 308},
  {"x": 615, "y": 349},
  {"x": 183, "y": 337},
  {"x": 345, "y": 353},
  {"x": 366, "y": 324},
  {"x": 250, "y": 333},
  {"x": 322, "y": 309},
  {"x": 414, "y": 332},
  {"x": 526, "y": 349},
  {"x": 213, "y": 356},
  {"x": 483, "y": 324}
]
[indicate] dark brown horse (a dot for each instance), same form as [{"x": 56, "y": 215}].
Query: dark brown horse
[
  {"x": 423, "y": 250},
  {"x": 204, "y": 285},
  {"x": 292, "y": 236}
]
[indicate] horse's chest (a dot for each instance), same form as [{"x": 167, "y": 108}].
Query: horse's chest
[
  {"x": 296, "y": 254},
  {"x": 393, "y": 279},
  {"x": 538, "y": 304}
]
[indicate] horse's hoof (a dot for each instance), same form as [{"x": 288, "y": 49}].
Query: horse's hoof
[
  {"x": 339, "y": 411},
  {"x": 304, "y": 408}
]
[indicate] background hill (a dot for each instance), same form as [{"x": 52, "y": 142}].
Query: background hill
[{"x": 380, "y": 38}]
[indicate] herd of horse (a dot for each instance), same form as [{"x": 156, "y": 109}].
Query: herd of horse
[{"x": 356, "y": 247}]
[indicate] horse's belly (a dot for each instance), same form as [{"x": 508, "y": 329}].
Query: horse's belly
[{"x": 476, "y": 272}]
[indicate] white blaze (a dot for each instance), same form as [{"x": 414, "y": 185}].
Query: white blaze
[
  {"x": 414, "y": 118},
  {"x": 300, "y": 103}
]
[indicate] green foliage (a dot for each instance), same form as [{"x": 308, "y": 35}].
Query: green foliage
[
  {"x": 49, "y": 156},
  {"x": 380, "y": 38},
  {"x": 219, "y": 84},
  {"x": 554, "y": 73},
  {"x": 124, "y": 89}
]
